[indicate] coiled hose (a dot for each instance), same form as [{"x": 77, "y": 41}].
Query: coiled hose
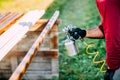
[{"x": 96, "y": 54}]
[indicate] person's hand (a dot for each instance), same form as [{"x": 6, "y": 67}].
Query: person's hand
[
  {"x": 109, "y": 74},
  {"x": 77, "y": 33}
]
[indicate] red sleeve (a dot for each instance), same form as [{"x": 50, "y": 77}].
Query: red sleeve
[{"x": 101, "y": 28}]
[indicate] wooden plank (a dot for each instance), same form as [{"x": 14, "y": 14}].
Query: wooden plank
[
  {"x": 55, "y": 67},
  {"x": 14, "y": 34},
  {"x": 40, "y": 66},
  {"x": 35, "y": 47},
  {"x": 4, "y": 65},
  {"x": 37, "y": 77},
  {"x": 4, "y": 15},
  {"x": 14, "y": 63},
  {"x": 46, "y": 53},
  {"x": 5, "y": 24},
  {"x": 37, "y": 59},
  {"x": 9, "y": 23},
  {"x": 6, "y": 18},
  {"x": 5, "y": 71},
  {"x": 53, "y": 40},
  {"x": 38, "y": 72},
  {"x": 40, "y": 25},
  {"x": 42, "y": 59}
]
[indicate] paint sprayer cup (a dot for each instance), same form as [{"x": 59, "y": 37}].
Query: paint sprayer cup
[{"x": 71, "y": 47}]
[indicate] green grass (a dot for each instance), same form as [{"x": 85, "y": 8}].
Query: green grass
[
  {"x": 82, "y": 14},
  {"x": 57, "y": 5}
]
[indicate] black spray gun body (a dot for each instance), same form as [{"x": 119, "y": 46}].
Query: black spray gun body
[{"x": 70, "y": 41}]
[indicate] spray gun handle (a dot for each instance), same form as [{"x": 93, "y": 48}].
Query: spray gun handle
[{"x": 81, "y": 38}]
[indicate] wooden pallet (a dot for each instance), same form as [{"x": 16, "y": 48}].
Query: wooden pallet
[
  {"x": 17, "y": 64},
  {"x": 14, "y": 34}
]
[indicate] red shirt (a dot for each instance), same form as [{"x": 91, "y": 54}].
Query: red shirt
[{"x": 110, "y": 15}]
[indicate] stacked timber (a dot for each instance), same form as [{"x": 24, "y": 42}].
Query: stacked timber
[{"x": 43, "y": 65}]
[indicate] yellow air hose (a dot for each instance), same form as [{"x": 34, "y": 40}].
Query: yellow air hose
[{"x": 96, "y": 54}]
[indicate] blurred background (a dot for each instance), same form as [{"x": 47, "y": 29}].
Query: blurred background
[
  {"x": 82, "y": 14},
  {"x": 23, "y": 5}
]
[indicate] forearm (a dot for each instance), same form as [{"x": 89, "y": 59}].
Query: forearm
[{"x": 94, "y": 33}]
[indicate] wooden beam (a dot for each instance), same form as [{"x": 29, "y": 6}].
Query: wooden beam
[
  {"x": 46, "y": 53},
  {"x": 54, "y": 38},
  {"x": 40, "y": 25},
  {"x": 35, "y": 47},
  {"x": 14, "y": 34}
]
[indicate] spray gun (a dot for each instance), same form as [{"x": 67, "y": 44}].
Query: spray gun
[
  {"x": 70, "y": 42},
  {"x": 73, "y": 50}
]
